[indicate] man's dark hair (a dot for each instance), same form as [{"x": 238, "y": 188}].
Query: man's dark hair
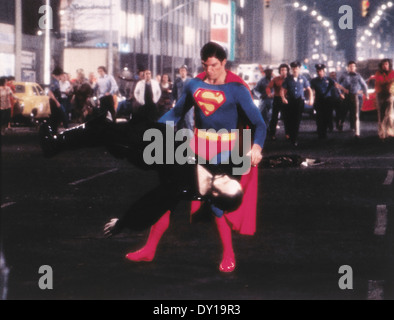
[
  {"x": 268, "y": 73},
  {"x": 103, "y": 68},
  {"x": 212, "y": 49},
  {"x": 58, "y": 71},
  {"x": 3, "y": 81},
  {"x": 351, "y": 62},
  {"x": 295, "y": 64},
  {"x": 284, "y": 65},
  {"x": 383, "y": 61}
]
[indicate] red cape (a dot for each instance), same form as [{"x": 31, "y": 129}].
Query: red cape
[
  {"x": 231, "y": 77},
  {"x": 243, "y": 220}
]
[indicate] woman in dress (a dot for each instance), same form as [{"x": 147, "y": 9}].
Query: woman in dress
[{"x": 384, "y": 87}]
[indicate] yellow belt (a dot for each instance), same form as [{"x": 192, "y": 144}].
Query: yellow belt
[{"x": 213, "y": 136}]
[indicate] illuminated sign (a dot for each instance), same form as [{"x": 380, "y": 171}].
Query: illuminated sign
[{"x": 223, "y": 25}]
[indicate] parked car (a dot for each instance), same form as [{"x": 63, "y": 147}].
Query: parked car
[{"x": 33, "y": 103}]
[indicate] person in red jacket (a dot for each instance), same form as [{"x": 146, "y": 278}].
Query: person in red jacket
[{"x": 384, "y": 87}]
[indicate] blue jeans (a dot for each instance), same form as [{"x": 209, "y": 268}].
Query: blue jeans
[{"x": 65, "y": 106}]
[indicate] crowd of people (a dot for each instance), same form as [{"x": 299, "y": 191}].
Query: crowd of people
[
  {"x": 286, "y": 94},
  {"x": 144, "y": 96},
  {"x": 334, "y": 99}
]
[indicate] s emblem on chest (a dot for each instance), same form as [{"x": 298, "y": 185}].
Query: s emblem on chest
[{"x": 209, "y": 101}]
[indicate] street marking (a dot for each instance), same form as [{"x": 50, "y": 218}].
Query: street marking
[
  {"x": 389, "y": 178},
  {"x": 4, "y": 273},
  {"x": 375, "y": 290},
  {"x": 92, "y": 177},
  {"x": 8, "y": 204},
  {"x": 381, "y": 220}
]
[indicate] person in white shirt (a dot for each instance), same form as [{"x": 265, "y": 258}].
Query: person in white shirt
[
  {"x": 106, "y": 84},
  {"x": 65, "y": 104},
  {"x": 105, "y": 87},
  {"x": 147, "y": 92}
]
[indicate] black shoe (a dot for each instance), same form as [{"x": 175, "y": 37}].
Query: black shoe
[{"x": 49, "y": 140}]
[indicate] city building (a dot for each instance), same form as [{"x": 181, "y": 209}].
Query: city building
[
  {"x": 22, "y": 40},
  {"x": 161, "y": 35}
]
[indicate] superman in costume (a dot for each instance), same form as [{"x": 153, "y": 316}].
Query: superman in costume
[{"x": 221, "y": 101}]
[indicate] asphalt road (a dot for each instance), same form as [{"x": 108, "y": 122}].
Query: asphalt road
[{"x": 311, "y": 221}]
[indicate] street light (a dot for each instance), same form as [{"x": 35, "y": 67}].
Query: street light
[
  {"x": 379, "y": 14},
  {"x": 47, "y": 50},
  {"x": 298, "y": 5}
]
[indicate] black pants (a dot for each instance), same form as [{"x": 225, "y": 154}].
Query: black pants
[
  {"x": 276, "y": 109},
  {"x": 5, "y": 116},
  {"x": 126, "y": 141},
  {"x": 292, "y": 115},
  {"x": 56, "y": 116},
  {"x": 176, "y": 184},
  {"x": 324, "y": 110},
  {"x": 107, "y": 104},
  {"x": 352, "y": 105},
  {"x": 338, "y": 107}
]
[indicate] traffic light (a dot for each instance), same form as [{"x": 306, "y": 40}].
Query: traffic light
[
  {"x": 267, "y": 3},
  {"x": 365, "y": 8}
]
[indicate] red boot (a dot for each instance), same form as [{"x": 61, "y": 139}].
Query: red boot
[
  {"x": 228, "y": 261},
  {"x": 147, "y": 252}
]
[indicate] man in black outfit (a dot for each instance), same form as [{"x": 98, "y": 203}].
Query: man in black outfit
[
  {"x": 210, "y": 183},
  {"x": 323, "y": 86}
]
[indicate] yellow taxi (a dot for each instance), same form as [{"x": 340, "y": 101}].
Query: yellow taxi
[{"x": 33, "y": 102}]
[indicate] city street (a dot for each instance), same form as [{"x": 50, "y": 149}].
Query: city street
[{"x": 312, "y": 220}]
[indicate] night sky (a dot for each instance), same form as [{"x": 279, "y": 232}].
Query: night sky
[{"x": 346, "y": 38}]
